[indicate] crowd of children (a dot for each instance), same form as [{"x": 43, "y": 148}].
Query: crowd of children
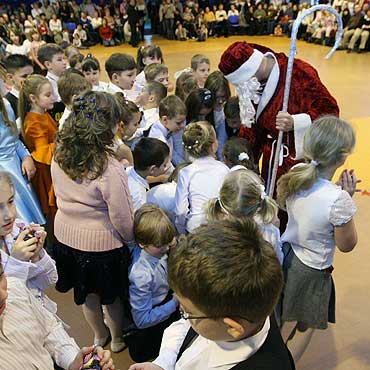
[{"x": 124, "y": 174}]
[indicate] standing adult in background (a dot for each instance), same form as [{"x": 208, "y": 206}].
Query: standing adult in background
[
  {"x": 133, "y": 20},
  {"x": 169, "y": 12}
]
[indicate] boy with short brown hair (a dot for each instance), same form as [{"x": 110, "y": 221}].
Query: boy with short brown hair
[{"x": 228, "y": 280}]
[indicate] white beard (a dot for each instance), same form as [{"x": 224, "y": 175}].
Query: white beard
[{"x": 248, "y": 92}]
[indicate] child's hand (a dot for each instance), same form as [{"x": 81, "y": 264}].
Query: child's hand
[
  {"x": 145, "y": 366},
  {"x": 348, "y": 181},
  {"x": 106, "y": 361},
  {"x": 40, "y": 234},
  {"x": 28, "y": 167},
  {"x": 24, "y": 250}
]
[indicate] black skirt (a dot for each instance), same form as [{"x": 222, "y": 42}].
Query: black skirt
[{"x": 102, "y": 273}]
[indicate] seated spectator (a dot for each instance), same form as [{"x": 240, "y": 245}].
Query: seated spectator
[
  {"x": 96, "y": 21},
  {"x": 43, "y": 29},
  {"x": 250, "y": 20},
  {"x": 34, "y": 47},
  {"x": 55, "y": 25},
  {"x": 16, "y": 47},
  {"x": 260, "y": 17},
  {"x": 202, "y": 33},
  {"x": 92, "y": 36},
  {"x": 106, "y": 33},
  {"x": 80, "y": 37},
  {"x": 181, "y": 32},
  {"x": 210, "y": 21},
  {"x": 362, "y": 31},
  {"x": 189, "y": 22},
  {"x": 222, "y": 21},
  {"x": 353, "y": 23}
]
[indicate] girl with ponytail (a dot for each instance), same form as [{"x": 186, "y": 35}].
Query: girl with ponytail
[
  {"x": 320, "y": 217},
  {"x": 242, "y": 194}
]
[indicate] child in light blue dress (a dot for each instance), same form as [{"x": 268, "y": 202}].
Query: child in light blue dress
[{"x": 16, "y": 159}]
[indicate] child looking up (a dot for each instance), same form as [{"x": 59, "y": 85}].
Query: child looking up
[
  {"x": 200, "y": 65},
  {"x": 242, "y": 195},
  {"x": 121, "y": 69},
  {"x": 228, "y": 281},
  {"x": 151, "y": 158},
  {"x": 91, "y": 69},
  {"x": 194, "y": 188},
  {"x": 320, "y": 217},
  {"x": 153, "y": 305},
  {"x": 39, "y": 130}
]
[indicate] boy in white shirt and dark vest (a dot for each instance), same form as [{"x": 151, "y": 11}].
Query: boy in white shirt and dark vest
[{"x": 226, "y": 296}]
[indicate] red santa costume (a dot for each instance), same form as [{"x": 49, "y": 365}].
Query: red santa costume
[{"x": 308, "y": 100}]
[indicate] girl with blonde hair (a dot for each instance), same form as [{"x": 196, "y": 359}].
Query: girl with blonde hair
[
  {"x": 39, "y": 129},
  {"x": 242, "y": 194},
  {"x": 200, "y": 181},
  {"x": 320, "y": 217}
]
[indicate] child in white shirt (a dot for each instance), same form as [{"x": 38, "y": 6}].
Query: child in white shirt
[
  {"x": 172, "y": 114},
  {"x": 121, "y": 69},
  {"x": 200, "y": 181},
  {"x": 320, "y": 217},
  {"x": 151, "y": 95},
  {"x": 91, "y": 70},
  {"x": 151, "y": 158},
  {"x": 146, "y": 55}
]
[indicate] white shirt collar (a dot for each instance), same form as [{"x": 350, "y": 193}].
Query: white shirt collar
[
  {"x": 52, "y": 76},
  {"x": 112, "y": 88},
  {"x": 14, "y": 92},
  {"x": 135, "y": 176},
  {"x": 223, "y": 353}
]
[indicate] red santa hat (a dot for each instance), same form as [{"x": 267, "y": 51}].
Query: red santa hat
[{"x": 240, "y": 62}]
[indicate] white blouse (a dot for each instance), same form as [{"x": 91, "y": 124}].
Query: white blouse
[
  {"x": 197, "y": 184},
  {"x": 312, "y": 216}
]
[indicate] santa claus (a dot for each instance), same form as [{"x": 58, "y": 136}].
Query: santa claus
[{"x": 259, "y": 74}]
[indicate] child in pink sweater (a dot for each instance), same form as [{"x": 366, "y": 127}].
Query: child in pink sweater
[{"x": 94, "y": 222}]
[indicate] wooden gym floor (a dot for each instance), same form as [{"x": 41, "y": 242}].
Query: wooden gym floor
[{"x": 345, "y": 345}]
